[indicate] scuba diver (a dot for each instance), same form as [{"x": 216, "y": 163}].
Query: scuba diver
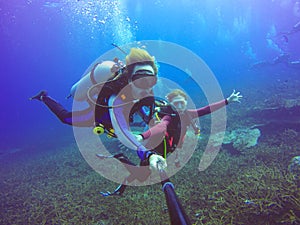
[
  {"x": 175, "y": 118},
  {"x": 127, "y": 91},
  {"x": 173, "y": 121}
]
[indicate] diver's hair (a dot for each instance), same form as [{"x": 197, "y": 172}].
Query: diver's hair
[
  {"x": 139, "y": 56},
  {"x": 176, "y": 93}
]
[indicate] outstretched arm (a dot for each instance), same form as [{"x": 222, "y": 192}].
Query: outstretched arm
[{"x": 234, "y": 97}]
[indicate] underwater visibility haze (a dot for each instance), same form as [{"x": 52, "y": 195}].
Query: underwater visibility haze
[{"x": 251, "y": 46}]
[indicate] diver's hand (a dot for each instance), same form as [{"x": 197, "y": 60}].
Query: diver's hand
[
  {"x": 234, "y": 97},
  {"x": 139, "y": 137},
  {"x": 157, "y": 162}
]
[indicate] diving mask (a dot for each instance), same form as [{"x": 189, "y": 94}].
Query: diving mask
[{"x": 143, "y": 80}]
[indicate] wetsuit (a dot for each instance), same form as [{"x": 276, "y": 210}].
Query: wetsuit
[{"x": 86, "y": 118}]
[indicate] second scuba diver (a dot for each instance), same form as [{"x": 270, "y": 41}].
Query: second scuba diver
[{"x": 174, "y": 120}]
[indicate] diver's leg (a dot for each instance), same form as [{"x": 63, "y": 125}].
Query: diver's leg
[
  {"x": 121, "y": 188},
  {"x": 61, "y": 113},
  {"x": 118, "y": 191},
  {"x": 39, "y": 96},
  {"x": 140, "y": 173},
  {"x": 64, "y": 115}
]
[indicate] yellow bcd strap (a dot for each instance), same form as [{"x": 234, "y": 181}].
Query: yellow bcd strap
[
  {"x": 165, "y": 140},
  {"x": 111, "y": 133},
  {"x": 98, "y": 130}
]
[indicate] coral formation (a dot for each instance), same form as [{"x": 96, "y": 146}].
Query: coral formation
[{"x": 240, "y": 139}]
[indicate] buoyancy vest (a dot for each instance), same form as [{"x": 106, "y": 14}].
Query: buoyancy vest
[
  {"x": 144, "y": 107},
  {"x": 113, "y": 87},
  {"x": 175, "y": 132}
]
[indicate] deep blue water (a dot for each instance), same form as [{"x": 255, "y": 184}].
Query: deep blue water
[{"x": 49, "y": 44}]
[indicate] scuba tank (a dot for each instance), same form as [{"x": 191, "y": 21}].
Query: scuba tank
[{"x": 101, "y": 72}]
